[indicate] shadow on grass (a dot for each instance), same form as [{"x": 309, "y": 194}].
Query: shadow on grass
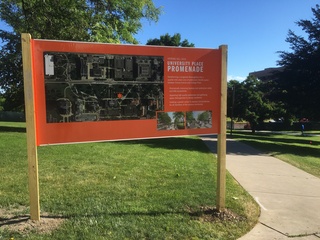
[
  {"x": 279, "y": 148},
  {"x": 178, "y": 143},
  {"x": 12, "y": 129},
  {"x": 300, "y": 139},
  {"x": 300, "y": 146},
  {"x": 13, "y": 220},
  {"x": 174, "y": 143},
  {"x": 25, "y": 218},
  {"x": 19, "y": 219}
]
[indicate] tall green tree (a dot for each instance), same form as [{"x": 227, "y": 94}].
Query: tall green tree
[
  {"x": 234, "y": 87},
  {"x": 115, "y": 21},
  {"x": 1, "y": 103},
  {"x": 205, "y": 116},
  {"x": 298, "y": 85},
  {"x": 179, "y": 120},
  {"x": 250, "y": 102},
  {"x": 164, "y": 118},
  {"x": 178, "y": 117},
  {"x": 167, "y": 40}
]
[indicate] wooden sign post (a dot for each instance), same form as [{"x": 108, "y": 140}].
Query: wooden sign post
[
  {"x": 31, "y": 127},
  {"x": 222, "y": 137}
]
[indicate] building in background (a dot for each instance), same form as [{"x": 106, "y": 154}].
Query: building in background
[{"x": 268, "y": 74}]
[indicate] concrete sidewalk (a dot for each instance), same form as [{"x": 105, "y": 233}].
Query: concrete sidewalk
[{"x": 289, "y": 198}]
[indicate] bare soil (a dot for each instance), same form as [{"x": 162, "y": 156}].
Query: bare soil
[
  {"x": 14, "y": 221},
  {"x": 211, "y": 214}
]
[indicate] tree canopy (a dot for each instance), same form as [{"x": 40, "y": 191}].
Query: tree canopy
[
  {"x": 293, "y": 93},
  {"x": 249, "y": 102},
  {"x": 115, "y": 21},
  {"x": 167, "y": 40},
  {"x": 298, "y": 85},
  {"x": 164, "y": 118},
  {"x": 82, "y": 20}
]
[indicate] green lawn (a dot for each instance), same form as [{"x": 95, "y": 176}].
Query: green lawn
[
  {"x": 147, "y": 189},
  {"x": 302, "y": 151}
]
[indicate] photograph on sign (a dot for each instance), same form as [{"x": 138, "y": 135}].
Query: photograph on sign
[
  {"x": 199, "y": 119},
  {"x": 184, "y": 120},
  {"x": 170, "y": 120},
  {"x": 91, "y": 87},
  {"x": 98, "y": 92}
]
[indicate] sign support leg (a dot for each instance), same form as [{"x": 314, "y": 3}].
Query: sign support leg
[
  {"x": 222, "y": 137},
  {"x": 31, "y": 129}
]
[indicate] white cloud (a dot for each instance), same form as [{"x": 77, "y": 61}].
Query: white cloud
[{"x": 238, "y": 78}]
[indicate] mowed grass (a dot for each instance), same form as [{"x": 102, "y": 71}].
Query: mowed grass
[
  {"x": 302, "y": 151},
  {"x": 147, "y": 189}
]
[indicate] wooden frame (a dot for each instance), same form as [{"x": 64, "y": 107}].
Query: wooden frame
[
  {"x": 221, "y": 177},
  {"x": 31, "y": 126},
  {"x": 31, "y": 120}
]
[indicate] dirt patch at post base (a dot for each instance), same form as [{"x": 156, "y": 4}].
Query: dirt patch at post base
[{"x": 13, "y": 221}]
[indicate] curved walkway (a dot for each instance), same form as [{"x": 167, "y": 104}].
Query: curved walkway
[{"x": 289, "y": 198}]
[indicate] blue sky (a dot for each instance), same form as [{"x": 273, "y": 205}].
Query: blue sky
[{"x": 254, "y": 30}]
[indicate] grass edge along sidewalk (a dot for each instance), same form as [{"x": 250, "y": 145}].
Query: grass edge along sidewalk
[
  {"x": 301, "y": 151},
  {"x": 147, "y": 189}
]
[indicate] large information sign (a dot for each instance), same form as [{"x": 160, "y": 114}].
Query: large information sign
[
  {"x": 83, "y": 92},
  {"x": 96, "y": 92}
]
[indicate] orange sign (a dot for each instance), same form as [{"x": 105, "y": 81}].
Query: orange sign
[{"x": 97, "y": 92}]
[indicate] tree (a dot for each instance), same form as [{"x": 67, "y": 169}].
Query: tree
[
  {"x": 204, "y": 117},
  {"x": 189, "y": 116},
  {"x": 11, "y": 72},
  {"x": 178, "y": 120},
  {"x": 167, "y": 40},
  {"x": 164, "y": 118},
  {"x": 178, "y": 117},
  {"x": 251, "y": 103},
  {"x": 298, "y": 85},
  {"x": 1, "y": 103},
  {"x": 106, "y": 21},
  {"x": 232, "y": 106}
]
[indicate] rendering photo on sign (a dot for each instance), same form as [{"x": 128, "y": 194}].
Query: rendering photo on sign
[
  {"x": 100, "y": 87},
  {"x": 184, "y": 120}
]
